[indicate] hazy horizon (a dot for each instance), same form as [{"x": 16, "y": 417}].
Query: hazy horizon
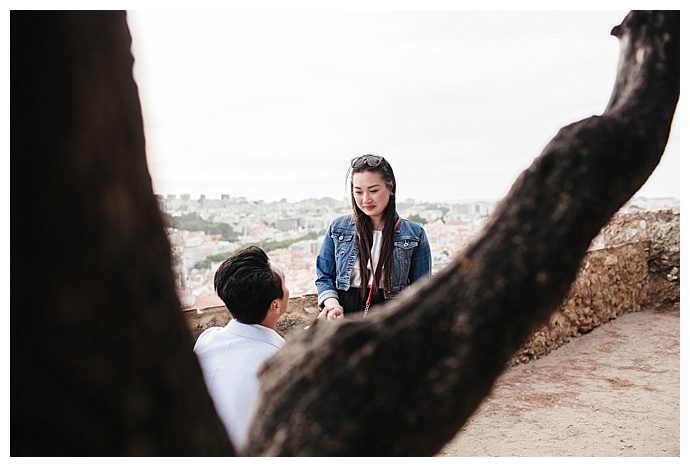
[{"x": 347, "y": 200}]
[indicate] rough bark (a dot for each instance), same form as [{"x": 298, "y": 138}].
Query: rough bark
[
  {"x": 101, "y": 365},
  {"x": 405, "y": 381},
  {"x": 105, "y": 366}
]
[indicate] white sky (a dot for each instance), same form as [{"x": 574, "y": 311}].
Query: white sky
[{"x": 272, "y": 104}]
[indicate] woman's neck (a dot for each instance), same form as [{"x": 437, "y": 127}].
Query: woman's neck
[{"x": 377, "y": 223}]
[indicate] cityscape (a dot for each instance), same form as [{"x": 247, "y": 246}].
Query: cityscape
[{"x": 203, "y": 232}]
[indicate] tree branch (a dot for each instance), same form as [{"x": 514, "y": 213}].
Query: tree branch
[{"x": 405, "y": 381}]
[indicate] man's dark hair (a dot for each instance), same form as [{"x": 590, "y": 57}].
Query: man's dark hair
[{"x": 248, "y": 284}]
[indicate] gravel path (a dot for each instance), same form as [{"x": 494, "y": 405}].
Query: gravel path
[{"x": 612, "y": 392}]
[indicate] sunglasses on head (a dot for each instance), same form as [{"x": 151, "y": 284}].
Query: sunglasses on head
[{"x": 371, "y": 161}]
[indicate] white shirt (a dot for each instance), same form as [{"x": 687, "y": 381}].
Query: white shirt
[
  {"x": 356, "y": 274},
  {"x": 230, "y": 357}
]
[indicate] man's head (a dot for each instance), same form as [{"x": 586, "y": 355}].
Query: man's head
[{"x": 251, "y": 287}]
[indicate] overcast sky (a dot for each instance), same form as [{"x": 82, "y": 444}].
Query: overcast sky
[{"x": 273, "y": 104}]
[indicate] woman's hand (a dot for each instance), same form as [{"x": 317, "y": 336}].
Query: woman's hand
[{"x": 331, "y": 310}]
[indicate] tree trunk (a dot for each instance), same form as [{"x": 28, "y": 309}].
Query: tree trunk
[
  {"x": 405, "y": 381},
  {"x": 102, "y": 362},
  {"x": 104, "y": 365}
]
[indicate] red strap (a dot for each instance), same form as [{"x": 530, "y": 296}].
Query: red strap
[{"x": 371, "y": 290}]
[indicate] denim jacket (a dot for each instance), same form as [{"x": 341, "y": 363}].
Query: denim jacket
[{"x": 411, "y": 257}]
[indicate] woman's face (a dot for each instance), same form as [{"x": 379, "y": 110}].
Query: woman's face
[{"x": 371, "y": 193}]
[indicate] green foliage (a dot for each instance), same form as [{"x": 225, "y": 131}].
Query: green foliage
[
  {"x": 267, "y": 246},
  {"x": 417, "y": 218},
  {"x": 206, "y": 262},
  {"x": 194, "y": 222}
]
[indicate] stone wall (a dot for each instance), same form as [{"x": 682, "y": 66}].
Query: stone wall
[
  {"x": 301, "y": 311},
  {"x": 611, "y": 281},
  {"x": 638, "y": 267},
  {"x": 662, "y": 230}
]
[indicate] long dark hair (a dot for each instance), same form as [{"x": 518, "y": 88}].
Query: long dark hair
[{"x": 365, "y": 228}]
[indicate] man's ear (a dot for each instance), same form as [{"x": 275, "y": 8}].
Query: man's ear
[{"x": 275, "y": 305}]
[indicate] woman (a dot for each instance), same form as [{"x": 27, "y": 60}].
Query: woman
[{"x": 371, "y": 255}]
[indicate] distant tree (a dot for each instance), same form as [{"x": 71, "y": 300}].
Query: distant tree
[
  {"x": 417, "y": 218},
  {"x": 103, "y": 364},
  {"x": 207, "y": 262},
  {"x": 193, "y": 222},
  {"x": 444, "y": 211},
  {"x": 225, "y": 231},
  {"x": 267, "y": 246}
]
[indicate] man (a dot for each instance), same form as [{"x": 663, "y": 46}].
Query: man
[{"x": 254, "y": 291}]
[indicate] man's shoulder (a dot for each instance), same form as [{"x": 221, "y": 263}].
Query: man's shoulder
[
  {"x": 206, "y": 337},
  {"x": 251, "y": 334},
  {"x": 210, "y": 330}
]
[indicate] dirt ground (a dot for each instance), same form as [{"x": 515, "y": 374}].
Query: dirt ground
[{"x": 612, "y": 392}]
